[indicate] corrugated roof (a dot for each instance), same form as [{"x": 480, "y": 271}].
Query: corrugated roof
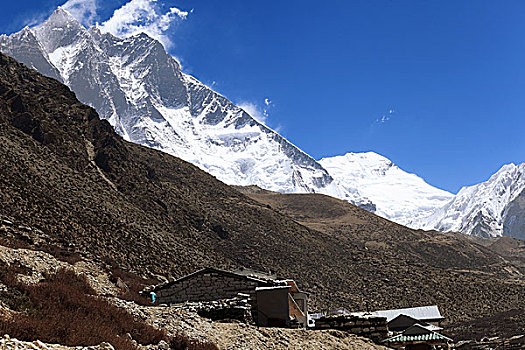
[
  {"x": 422, "y": 337},
  {"x": 418, "y": 329},
  {"x": 423, "y": 313}
]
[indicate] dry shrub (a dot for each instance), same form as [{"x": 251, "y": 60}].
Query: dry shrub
[
  {"x": 135, "y": 284},
  {"x": 64, "y": 309}
]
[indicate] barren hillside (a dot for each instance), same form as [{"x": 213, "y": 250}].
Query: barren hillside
[{"x": 66, "y": 173}]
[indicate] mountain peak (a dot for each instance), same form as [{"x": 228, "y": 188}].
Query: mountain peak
[
  {"x": 399, "y": 196},
  {"x": 61, "y": 16},
  {"x": 362, "y": 160},
  {"x": 59, "y": 30},
  {"x": 481, "y": 209},
  {"x": 140, "y": 89}
]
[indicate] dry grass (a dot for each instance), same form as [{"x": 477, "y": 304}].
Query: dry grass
[
  {"x": 133, "y": 283},
  {"x": 64, "y": 309}
]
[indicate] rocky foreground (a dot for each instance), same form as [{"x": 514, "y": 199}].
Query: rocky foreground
[
  {"x": 244, "y": 336},
  {"x": 11, "y": 343},
  {"x": 174, "y": 320}
]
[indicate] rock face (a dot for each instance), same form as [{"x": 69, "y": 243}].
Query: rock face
[
  {"x": 514, "y": 218},
  {"x": 489, "y": 209},
  {"x": 142, "y": 92}
]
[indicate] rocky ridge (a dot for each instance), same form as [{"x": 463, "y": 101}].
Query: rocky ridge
[{"x": 490, "y": 209}]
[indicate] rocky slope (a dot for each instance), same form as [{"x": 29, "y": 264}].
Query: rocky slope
[
  {"x": 243, "y": 336},
  {"x": 398, "y": 267},
  {"x": 142, "y": 92}
]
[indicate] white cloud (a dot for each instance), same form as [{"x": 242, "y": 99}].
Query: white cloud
[
  {"x": 252, "y": 109},
  {"x": 85, "y": 11},
  {"x": 385, "y": 117},
  {"x": 145, "y": 16},
  {"x": 260, "y": 114}
]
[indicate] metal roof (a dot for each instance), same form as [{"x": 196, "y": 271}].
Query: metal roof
[
  {"x": 272, "y": 288},
  {"x": 422, "y": 313},
  {"x": 339, "y": 311},
  {"x": 415, "y": 321},
  {"x": 421, "y": 337},
  {"x": 417, "y": 332}
]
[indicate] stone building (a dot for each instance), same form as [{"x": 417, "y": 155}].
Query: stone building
[
  {"x": 274, "y": 302},
  {"x": 401, "y": 319}
]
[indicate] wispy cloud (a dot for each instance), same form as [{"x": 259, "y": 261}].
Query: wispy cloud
[
  {"x": 136, "y": 16},
  {"x": 85, "y": 11},
  {"x": 255, "y": 111},
  {"x": 145, "y": 16},
  {"x": 385, "y": 117},
  {"x": 260, "y": 114}
]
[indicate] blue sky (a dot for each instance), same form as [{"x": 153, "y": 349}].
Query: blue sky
[{"x": 436, "y": 86}]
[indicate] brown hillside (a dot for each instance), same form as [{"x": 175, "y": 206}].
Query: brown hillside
[
  {"x": 394, "y": 266},
  {"x": 65, "y": 172}
]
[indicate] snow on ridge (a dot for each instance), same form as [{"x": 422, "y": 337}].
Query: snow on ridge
[
  {"x": 398, "y": 195},
  {"x": 479, "y": 209},
  {"x": 140, "y": 89}
]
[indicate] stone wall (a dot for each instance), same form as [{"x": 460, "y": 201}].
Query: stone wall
[
  {"x": 207, "y": 286},
  {"x": 238, "y": 308},
  {"x": 374, "y": 328}
]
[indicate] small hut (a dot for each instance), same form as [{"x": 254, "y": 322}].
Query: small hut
[{"x": 274, "y": 301}]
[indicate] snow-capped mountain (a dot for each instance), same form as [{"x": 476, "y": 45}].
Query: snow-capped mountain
[
  {"x": 488, "y": 209},
  {"x": 141, "y": 90},
  {"x": 399, "y": 196}
]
